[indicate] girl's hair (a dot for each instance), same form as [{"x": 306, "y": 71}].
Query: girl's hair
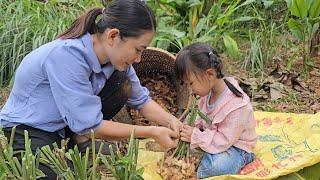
[
  {"x": 197, "y": 58},
  {"x": 131, "y": 17}
]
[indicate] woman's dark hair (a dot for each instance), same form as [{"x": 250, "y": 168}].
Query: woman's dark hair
[
  {"x": 131, "y": 17},
  {"x": 197, "y": 58}
]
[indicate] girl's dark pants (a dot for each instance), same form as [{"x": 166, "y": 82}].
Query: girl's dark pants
[{"x": 113, "y": 96}]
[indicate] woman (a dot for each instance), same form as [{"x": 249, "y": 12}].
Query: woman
[{"x": 84, "y": 77}]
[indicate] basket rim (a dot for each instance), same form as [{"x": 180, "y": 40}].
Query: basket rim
[{"x": 162, "y": 51}]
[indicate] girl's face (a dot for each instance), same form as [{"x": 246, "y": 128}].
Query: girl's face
[
  {"x": 122, "y": 52},
  {"x": 203, "y": 83}
]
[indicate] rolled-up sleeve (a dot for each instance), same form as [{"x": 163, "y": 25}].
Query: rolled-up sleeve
[
  {"x": 140, "y": 94},
  {"x": 68, "y": 75}
]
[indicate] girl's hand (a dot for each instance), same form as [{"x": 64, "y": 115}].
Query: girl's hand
[
  {"x": 166, "y": 137},
  {"x": 186, "y": 132}
]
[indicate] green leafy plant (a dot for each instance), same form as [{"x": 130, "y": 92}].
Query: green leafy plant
[
  {"x": 11, "y": 167},
  {"x": 183, "y": 22},
  {"x": 305, "y": 24},
  {"x": 124, "y": 167},
  {"x": 82, "y": 168}
]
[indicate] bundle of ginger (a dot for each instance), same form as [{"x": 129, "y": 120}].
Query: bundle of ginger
[{"x": 179, "y": 169}]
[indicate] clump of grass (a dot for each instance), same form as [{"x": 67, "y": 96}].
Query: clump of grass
[
  {"x": 124, "y": 167},
  {"x": 82, "y": 167},
  {"x": 28, "y": 24},
  {"x": 262, "y": 48},
  {"x": 11, "y": 167}
]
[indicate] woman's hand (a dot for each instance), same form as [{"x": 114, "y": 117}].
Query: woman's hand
[
  {"x": 166, "y": 137},
  {"x": 175, "y": 125},
  {"x": 186, "y": 132}
]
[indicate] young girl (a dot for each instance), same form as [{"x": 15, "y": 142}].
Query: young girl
[{"x": 228, "y": 142}]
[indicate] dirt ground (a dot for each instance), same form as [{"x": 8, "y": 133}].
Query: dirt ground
[{"x": 280, "y": 90}]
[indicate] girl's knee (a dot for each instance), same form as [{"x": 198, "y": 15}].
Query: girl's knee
[
  {"x": 218, "y": 164},
  {"x": 217, "y": 170}
]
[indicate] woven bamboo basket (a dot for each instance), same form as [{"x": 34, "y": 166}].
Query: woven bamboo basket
[{"x": 157, "y": 61}]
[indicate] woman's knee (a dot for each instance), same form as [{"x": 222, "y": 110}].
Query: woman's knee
[
  {"x": 115, "y": 94},
  {"x": 118, "y": 84}
]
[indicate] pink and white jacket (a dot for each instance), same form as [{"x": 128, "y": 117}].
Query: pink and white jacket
[{"x": 233, "y": 124}]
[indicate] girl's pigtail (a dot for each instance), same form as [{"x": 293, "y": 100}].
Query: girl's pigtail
[{"x": 216, "y": 63}]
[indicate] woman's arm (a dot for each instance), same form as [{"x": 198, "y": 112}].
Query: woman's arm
[
  {"x": 110, "y": 130},
  {"x": 150, "y": 109},
  {"x": 154, "y": 112}
]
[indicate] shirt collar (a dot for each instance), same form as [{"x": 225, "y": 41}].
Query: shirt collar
[
  {"x": 108, "y": 69},
  {"x": 93, "y": 59}
]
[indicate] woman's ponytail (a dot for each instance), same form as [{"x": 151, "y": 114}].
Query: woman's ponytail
[{"x": 82, "y": 25}]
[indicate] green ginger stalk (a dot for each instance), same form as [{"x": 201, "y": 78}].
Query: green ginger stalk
[{"x": 182, "y": 149}]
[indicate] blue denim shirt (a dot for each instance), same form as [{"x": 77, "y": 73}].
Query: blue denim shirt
[{"x": 57, "y": 85}]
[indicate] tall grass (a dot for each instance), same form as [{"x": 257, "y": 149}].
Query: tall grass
[
  {"x": 27, "y": 24},
  {"x": 262, "y": 48}
]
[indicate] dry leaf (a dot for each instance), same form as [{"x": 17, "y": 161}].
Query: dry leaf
[{"x": 276, "y": 90}]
